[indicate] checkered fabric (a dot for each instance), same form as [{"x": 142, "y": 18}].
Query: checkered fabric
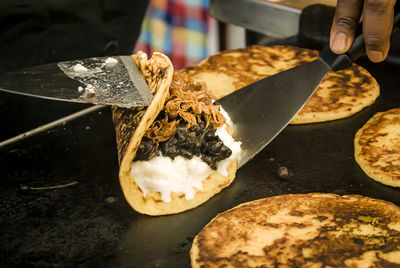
[{"x": 177, "y": 28}]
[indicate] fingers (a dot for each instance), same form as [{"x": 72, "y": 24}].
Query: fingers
[
  {"x": 377, "y": 27},
  {"x": 344, "y": 25}
]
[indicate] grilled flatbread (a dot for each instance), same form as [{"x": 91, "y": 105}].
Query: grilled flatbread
[
  {"x": 302, "y": 230},
  {"x": 377, "y": 147},
  {"x": 339, "y": 95},
  {"x": 132, "y": 124}
]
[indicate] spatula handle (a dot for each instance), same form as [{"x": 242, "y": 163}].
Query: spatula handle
[{"x": 357, "y": 49}]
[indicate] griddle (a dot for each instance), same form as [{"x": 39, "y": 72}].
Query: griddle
[{"x": 85, "y": 221}]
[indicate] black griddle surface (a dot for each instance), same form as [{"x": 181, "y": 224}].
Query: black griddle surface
[
  {"x": 22, "y": 113},
  {"x": 89, "y": 223}
]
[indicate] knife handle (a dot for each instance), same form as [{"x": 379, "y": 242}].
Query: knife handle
[{"x": 357, "y": 49}]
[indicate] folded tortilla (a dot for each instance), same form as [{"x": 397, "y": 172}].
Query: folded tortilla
[{"x": 131, "y": 126}]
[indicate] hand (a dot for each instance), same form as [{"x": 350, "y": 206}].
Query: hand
[{"x": 377, "y": 20}]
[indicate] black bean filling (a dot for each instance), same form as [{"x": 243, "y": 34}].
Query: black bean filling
[{"x": 196, "y": 141}]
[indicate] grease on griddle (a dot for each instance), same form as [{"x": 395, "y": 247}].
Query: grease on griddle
[{"x": 283, "y": 172}]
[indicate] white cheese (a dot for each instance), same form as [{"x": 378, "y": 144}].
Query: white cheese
[
  {"x": 222, "y": 166},
  {"x": 79, "y": 68},
  {"x": 227, "y": 117},
  {"x": 165, "y": 175},
  {"x": 90, "y": 89},
  {"x": 110, "y": 62}
]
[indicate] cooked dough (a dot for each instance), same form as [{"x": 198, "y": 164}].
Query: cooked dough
[
  {"x": 377, "y": 147},
  {"x": 339, "y": 95},
  {"x": 130, "y": 127},
  {"x": 302, "y": 230}
]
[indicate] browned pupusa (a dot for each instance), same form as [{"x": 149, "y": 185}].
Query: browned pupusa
[
  {"x": 302, "y": 230},
  {"x": 340, "y": 95},
  {"x": 377, "y": 147}
]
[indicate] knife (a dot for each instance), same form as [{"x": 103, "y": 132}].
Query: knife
[
  {"x": 99, "y": 80},
  {"x": 263, "y": 109}
]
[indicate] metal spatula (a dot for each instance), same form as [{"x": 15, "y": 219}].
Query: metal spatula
[
  {"x": 263, "y": 109},
  {"x": 100, "y": 80}
]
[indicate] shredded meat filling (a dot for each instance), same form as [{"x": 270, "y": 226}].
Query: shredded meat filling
[
  {"x": 186, "y": 126},
  {"x": 188, "y": 103}
]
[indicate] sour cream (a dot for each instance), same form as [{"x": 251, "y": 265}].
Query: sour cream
[{"x": 165, "y": 175}]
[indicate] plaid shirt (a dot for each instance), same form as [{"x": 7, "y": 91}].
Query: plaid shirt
[{"x": 177, "y": 28}]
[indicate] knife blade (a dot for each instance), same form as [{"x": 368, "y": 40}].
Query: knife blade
[
  {"x": 261, "y": 110},
  {"x": 99, "y": 80}
]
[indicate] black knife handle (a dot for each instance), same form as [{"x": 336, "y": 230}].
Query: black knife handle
[{"x": 357, "y": 49}]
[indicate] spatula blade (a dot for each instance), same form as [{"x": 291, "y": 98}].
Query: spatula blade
[
  {"x": 261, "y": 110},
  {"x": 100, "y": 80}
]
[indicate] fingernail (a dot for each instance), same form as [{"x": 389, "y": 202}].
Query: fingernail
[
  {"x": 340, "y": 42},
  {"x": 375, "y": 56}
]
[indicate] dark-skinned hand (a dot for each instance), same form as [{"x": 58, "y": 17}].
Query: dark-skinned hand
[{"x": 377, "y": 22}]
